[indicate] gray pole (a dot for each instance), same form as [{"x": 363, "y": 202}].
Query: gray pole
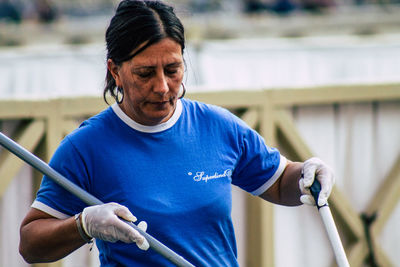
[{"x": 90, "y": 200}]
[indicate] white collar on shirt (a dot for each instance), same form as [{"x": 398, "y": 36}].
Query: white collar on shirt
[{"x": 149, "y": 129}]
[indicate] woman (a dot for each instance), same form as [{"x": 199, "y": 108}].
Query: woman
[{"x": 168, "y": 160}]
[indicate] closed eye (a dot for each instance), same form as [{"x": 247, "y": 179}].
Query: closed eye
[
  {"x": 144, "y": 73},
  {"x": 171, "y": 71}
]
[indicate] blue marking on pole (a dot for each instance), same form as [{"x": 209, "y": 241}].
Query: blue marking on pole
[{"x": 315, "y": 190}]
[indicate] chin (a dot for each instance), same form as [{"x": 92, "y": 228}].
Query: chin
[
  {"x": 157, "y": 116},
  {"x": 157, "y": 119}
]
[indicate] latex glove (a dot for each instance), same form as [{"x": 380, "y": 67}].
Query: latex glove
[
  {"x": 315, "y": 167},
  {"x": 103, "y": 222}
]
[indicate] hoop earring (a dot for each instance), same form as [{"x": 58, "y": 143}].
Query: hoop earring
[
  {"x": 184, "y": 91},
  {"x": 119, "y": 96}
]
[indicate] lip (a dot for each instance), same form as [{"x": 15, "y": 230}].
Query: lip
[{"x": 158, "y": 102}]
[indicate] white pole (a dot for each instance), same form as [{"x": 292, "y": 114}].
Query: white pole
[
  {"x": 330, "y": 227},
  {"x": 333, "y": 236}
]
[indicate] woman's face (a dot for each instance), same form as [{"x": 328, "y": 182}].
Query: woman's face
[{"x": 151, "y": 81}]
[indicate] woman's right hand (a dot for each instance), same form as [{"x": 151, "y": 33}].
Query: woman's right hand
[{"x": 103, "y": 222}]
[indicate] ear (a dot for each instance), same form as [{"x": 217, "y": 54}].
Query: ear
[{"x": 114, "y": 70}]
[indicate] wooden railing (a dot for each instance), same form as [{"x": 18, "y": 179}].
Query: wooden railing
[{"x": 42, "y": 124}]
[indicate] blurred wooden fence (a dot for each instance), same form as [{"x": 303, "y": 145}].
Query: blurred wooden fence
[{"x": 355, "y": 129}]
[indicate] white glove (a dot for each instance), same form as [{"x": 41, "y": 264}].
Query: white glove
[
  {"x": 315, "y": 167},
  {"x": 103, "y": 222}
]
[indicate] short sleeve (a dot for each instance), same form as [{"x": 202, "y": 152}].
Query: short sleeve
[
  {"x": 259, "y": 166},
  {"x": 52, "y": 198}
]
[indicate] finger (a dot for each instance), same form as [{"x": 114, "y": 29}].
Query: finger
[
  {"x": 124, "y": 213},
  {"x": 326, "y": 180},
  {"x": 307, "y": 199},
  {"x": 326, "y": 189},
  {"x": 142, "y": 226},
  {"x": 144, "y": 245},
  {"x": 127, "y": 233},
  {"x": 309, "y": 174},
  {"x": 303, "y": 189},
  {"x": 322, "y": 200},
  {"x": 135, "y": 236}
]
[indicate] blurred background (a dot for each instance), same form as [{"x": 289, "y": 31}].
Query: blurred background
[
  {"x": 265, "y": 43},
  {"x": 334, "y": 65}
]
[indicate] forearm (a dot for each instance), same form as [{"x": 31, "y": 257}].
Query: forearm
[
  {"x": 286, "y": 191},
  {"x": 49, "y": 239},
  {"x": 289, "y": 187}
]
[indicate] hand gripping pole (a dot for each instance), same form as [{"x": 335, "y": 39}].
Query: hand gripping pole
[
  {"x": 90, "y": 200},
  {"x": 330, "y": 227}
]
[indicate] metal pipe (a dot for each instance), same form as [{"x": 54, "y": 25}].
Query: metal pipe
[{"x": 44, "y": 168}]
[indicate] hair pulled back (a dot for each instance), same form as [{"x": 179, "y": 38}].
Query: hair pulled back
[{"x": 134, "y": 23}]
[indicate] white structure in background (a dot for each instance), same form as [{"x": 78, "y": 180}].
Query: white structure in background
[
  {"x": 359, "y": 141},
  {"x": 54, "y": 71},
  {"x": 299, "y": 62}
]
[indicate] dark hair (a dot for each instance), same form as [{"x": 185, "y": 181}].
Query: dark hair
[{"x": 134, "y": 23}]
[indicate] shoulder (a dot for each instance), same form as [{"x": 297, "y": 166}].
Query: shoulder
[
  {"x": 97, "y": 122},
  {"x": 91, "y": 129},
  {"x": 215, "y": 120},
  {"x": 200, "y": 109}
]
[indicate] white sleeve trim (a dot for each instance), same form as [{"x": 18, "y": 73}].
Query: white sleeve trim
[
  {"x": 272, "y": 180},
  {"x": 49, "y": 210}
]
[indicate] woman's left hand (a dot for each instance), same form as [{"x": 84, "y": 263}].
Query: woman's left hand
[{"x": 316, "y": 168}]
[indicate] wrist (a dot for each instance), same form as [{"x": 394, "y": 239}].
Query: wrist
[{"x": 82, "y": 233}]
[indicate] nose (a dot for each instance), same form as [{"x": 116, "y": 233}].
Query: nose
[{"x": 161, "y": 85}]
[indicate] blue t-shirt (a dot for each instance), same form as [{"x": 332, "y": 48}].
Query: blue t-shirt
[{"x": 176, "y": 176}]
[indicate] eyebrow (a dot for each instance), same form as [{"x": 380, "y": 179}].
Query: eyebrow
[{"x": 173, "y": 64}]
